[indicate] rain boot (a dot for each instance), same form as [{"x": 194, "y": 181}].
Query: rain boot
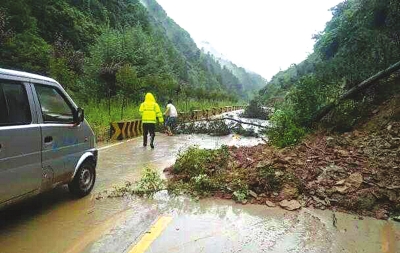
[
  {"x": 152, "y": 141},
  {"x": 144, "y": 141}
]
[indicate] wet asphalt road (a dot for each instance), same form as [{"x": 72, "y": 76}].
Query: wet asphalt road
[{"x": 55, "y": 222}]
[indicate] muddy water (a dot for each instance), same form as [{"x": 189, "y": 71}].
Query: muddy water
[
  {"x": 223, "y": 226},
  {"x": 55, "y": 222},
  {"x": 236, "y": 115}
]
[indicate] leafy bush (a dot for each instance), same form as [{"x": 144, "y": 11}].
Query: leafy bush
[
  {"x": 203, "y": 183},
  {"x": 200, "y": 171},
  {"x": 285, "y": 131},
  {"x": 241, "y": 194},
  {"x": 149, "y": 184},
  {"x": 293, "y": 116},
  {"x": 192, "y": 162},
  {"x": 255, "y": 110},
  {"x": 240, "y": 189},
  {"x": 195, "y": 161}
]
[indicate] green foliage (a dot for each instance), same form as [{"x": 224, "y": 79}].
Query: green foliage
[
  {"x": 149, "y": 183},
  {"x": 361, "y": 39},
  {"x": 60, "y": 71},
  {"x": 192, "y": 162},
  {"x": 241, "y": 194},
  {"x": 203, "y": 171},
  {"x": 285, "y": 131},
  {"x": 240, "y": 189},
  {"x": 26, "y": 51},
  {"x": 255, "y": 110},
  {"x": 111, "y": 49},
  {"x": 203, "y": 183},
  {"x": 293, "y": 116},
  {"x": 100, "y": 113},
  {"x": 128, "y": 82},
  {"x": 195, "y": 161}
]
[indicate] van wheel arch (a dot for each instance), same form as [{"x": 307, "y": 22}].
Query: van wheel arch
[{"x": 84, "y": 178}]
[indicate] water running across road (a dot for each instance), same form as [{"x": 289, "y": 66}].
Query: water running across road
[{"x": 55, "y": 222}]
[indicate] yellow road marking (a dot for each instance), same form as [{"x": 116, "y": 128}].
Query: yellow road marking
[{"x": 151, "y": 235}]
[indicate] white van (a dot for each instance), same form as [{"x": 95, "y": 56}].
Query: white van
[{"x": 44, "y": 139}]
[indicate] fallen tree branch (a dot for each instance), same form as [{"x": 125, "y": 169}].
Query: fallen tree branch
[
  {"x": 366, "y": 83},
  {"x": 238, "y": 121}
]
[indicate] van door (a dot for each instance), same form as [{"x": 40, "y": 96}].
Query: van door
[
  {"x": 20, "y": 150},
  {"x": 62, "y": 140}
]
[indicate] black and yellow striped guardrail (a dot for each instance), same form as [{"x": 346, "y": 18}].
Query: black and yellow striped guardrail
[
  {"x": 126, "y": 130},
  {"x": 131, "y": 129}
]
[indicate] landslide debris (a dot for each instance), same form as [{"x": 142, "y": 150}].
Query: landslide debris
[
  {"x": 216, "y": 128},
  {"x": 357, "y": 172}
]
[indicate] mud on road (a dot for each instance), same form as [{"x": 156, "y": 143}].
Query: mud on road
[{"x": 55, "y": 222}]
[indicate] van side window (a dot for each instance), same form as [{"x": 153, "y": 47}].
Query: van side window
[
  {"x": 55, "y": 108},
  {"x": 14, "y": 104}
]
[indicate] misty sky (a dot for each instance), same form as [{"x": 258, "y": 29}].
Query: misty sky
[{"x": 261, "y": 35}]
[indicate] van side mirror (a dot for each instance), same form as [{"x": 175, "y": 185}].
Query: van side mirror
[{"x": 79, "y": 116}]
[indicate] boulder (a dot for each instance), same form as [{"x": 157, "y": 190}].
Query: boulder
[
  {"x": 290, "y": 205},
  {"x": 270, "y": 204},
  {"x": 355, "y": 180},
  {"x": 253, "y": 194}
]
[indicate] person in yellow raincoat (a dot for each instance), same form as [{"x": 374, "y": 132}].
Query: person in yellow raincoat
[{"x": 150, "y": 112}]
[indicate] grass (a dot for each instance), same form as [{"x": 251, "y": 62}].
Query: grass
[{"x": 100, "y": 114}]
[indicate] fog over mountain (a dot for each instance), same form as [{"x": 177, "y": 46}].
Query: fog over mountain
[{"x": 252, "y": 80}]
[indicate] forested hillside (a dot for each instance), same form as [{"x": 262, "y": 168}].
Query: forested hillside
[
  {"x": 362, "y": 39},
  {"x": 110, "y": 49}
]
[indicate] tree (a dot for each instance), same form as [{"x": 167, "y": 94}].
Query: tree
[{"x": 128, "y": 84}]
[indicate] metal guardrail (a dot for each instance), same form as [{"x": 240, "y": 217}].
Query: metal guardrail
[{"x": 130, "y": 129}]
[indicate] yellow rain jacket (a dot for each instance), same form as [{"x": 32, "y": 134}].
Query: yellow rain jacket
[{"x": 150, "y": 110}]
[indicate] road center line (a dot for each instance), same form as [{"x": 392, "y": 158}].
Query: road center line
[{"x": 151, "y": 235}]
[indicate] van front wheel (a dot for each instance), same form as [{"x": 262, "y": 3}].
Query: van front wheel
[{"x": 84, "y": 179}]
